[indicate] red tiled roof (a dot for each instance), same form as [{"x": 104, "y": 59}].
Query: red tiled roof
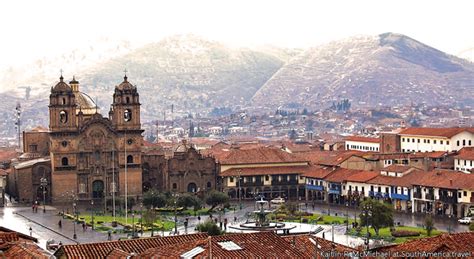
[
  {"x": 457, "y": 242},
  {"x": 466, "y": 153},
  {"x": 445, "y": 179},
  {"x": 25, "y": 251},
  {"x": 362, "y": 139},
  {"x": 259, "y": 155},
  {"x": 275, "y": 170},
  {"x": 304, "y": 244},
  {"x": 340, "y": 175},
  {"x": 329, "y": 158},
  {"x": 102, "y": 249},
  {"x": 253, "y": 245},
  {"x": 318, "y": 172},
  {"x": 437, "y": 132},
  {"x": 404, "y": 181},
  {"x": 362, "y": 177}
]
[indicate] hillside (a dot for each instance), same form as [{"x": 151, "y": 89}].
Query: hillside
[{"x": 388, "y": 69}]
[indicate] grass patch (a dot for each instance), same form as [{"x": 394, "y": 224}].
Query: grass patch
[
  {"x": 159, "y": 223},
  {"x": 386, "y": 234}
]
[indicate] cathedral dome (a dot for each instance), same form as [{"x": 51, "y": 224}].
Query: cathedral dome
[
  {"x": 125, "y": 85},
  {"x": 62, "y": 86}
]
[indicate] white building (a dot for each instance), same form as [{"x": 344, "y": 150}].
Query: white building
[
  {"x": 464, "y": 161},
  {"x": 435, "y": 139},
  {"x": 362, "y": 143}
]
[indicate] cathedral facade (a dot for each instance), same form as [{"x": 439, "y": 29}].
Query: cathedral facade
[
  {"x": 85, "y": 156},
  {"x": 93, "y": 156}
]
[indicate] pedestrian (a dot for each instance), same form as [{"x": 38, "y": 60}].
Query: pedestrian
[
  {"x": 109, "y": 235},
  {"x": 60, "y": 224},
  {"x": 306, "y": 205},
  {"x": 225, "y": 223},
  {"x": 83, "y": 226},
  {"x": 235, "y": 219},
  {"x": 31, "y": 232},
  {"x": 313, "y": 205},
  {"x": 199, "y": 218}
]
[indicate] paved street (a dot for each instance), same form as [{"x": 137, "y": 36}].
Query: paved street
[{"x": 45, "y": 225}]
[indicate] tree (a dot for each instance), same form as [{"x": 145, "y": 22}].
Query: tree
[
  {"x": 188, "y": 200},
  {"x": 471, "y": 226},
  {"x": 216, "y": 198},
  {"x": 380, "y": 214},
  {"x": 149, "y": 217},
  {"x": 210, "y": 227},
  {"x": 154, "y": 198},
  {"x": 429, "y": 224}
]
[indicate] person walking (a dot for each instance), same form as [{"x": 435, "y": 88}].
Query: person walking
[{"x": 60, "y": 224}]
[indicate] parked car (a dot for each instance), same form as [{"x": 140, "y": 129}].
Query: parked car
[
  {"x": 278, "y": 200},
  {"x": 465, "y": 220}
]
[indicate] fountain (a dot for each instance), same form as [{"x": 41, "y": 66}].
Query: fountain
[{"x": 261, "y": 221}]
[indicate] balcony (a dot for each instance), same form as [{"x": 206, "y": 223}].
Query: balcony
[
  {"x": 417, "y": 195},
  {"x": 249, "y": 184},
  {"x": 400, "y": 196},
  {"x": 429, "y": 196},
  {"x": 291, "y": 182},
  {"x": 315, "y": 187},
  {"x": 448, "y": 199}
]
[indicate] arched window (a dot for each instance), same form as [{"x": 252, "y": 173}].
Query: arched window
[
  {"x": 209, "y": 185},
  {"x": 127, "y": 99},
  {"x": 64, "y": 161},
  {"x": 127, "y": 115},
  {"x": 175, "y": 186},
  {"x": 129, "y": 159},
  {"x": 63, "y": 116},
  {"x": 64, "y": 100}
]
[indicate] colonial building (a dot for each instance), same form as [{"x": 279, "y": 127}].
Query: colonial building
[
  {"x": 83, "y": 155},
  {"x": 362, "y": 143},
  {"x": 464, "y": 160},
  {"x": 436, "y": 139}
]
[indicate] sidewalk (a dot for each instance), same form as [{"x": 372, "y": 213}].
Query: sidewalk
[{"x": 51, "y": 218}]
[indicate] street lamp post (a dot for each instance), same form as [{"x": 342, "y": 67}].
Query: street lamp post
[
  {"x": 347, "y": 216},
  {"x": 133, "y": 225},
  {"x": 239, "y": 189},
  {"x": 175, "y": 219},
  {"x": 141, "y": 218},
  {"x": 367, "y": 210},
  {"x": 92, "y": 214},
  {"x": 44, "y": 183},
  {"x": 74, "y": 221}
]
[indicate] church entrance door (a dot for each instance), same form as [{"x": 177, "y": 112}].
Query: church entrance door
[
  {"x": 192, "y": 187},
  {"x": 98, "y": 189}
]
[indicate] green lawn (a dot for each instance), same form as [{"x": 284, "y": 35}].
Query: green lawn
[
  {"x": 159, "y": 223},
  {"x": 385, "y": 233}
]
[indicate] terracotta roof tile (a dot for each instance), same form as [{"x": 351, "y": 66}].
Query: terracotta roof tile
[
  {"x": 362, "y": 177},
  {"x": 25, "y": 251},
  {"x": 466, "y": 153},
  {"x": 340, "y": 175},
  {"x": 304, "y": 244},
  {"x": 257, "y": 156},
  {"x": 457, "y": 242},
  {"x": 318, "y": 172},
  {"x": 102, "y": 249},
  {"x": 438, "y": 132},
  {"x": 404, "y": 181},
  {"x": 270, "y": 170}
]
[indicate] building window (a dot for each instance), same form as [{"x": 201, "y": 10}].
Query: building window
[
  {"x": 463, "y": 142},
  {"x": 175, "y": 186},
  {"x": 231, "y": 179},
  {"x": 469, "y": 142},
  {"x": 447, "y": 142},
  {"x": 413, "y": 140},
  {"x": 33, "y": 148},
  {"x": 457, "y": 142},
  {"x": 267, "y": 178},
  {"x": 386, "y": 189},
  {"x": 64, "y": 161},
  {"x": 458, "y": 161},
  {"x": 441, "y": 142},
  {"x": 403, "y": 139},
  {"x": 362, "y": 188},
  {"x": 434, "y": 141},
  {"x": 129, "y": 159},
  {"x": 127, "y": 115},
  {"x": 82, "y": 188},
  {"x": 209, "y": 185},
  {"x": 63, "y": 116},
  {"x": 459, "y": 195},
  {"x": 428, "y": 141},
  {"x": 465, "y": 193}
]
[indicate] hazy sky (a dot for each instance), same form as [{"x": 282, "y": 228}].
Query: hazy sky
[{"x": 32, "y": 29}]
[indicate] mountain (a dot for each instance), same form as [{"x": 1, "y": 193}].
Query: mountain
[
  {"x": 188, "y": 72},
  {"x": 388, "y": 69}
]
